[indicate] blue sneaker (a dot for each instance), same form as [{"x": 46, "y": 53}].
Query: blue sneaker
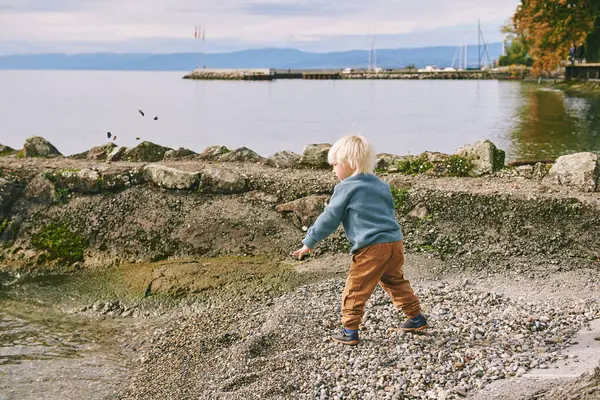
[
  {"x": 416, "y": 324},
  {"x": 347, "y": 336}
]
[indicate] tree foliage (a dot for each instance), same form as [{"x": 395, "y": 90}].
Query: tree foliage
[
  {"x": 552, "y": 27},
  {"x": 517, "y": 48}
]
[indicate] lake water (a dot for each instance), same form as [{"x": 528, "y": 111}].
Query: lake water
[
  {"x": 75, "y": 109},
  {"x": 47, "y": 353}
]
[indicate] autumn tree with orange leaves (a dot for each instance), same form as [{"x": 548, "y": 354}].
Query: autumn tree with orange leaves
[{"x": 552, "y": 27}]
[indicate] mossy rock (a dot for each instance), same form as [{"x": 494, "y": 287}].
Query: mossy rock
[
  {"x": 37, "y": 146},
  {"x": 60, "y": 243},
  {"x": 80, "y": 181},
  {"x": 98, "y": 153},
  {"x": 146, "y": 152},
  {"x": 6, "y": 150}
]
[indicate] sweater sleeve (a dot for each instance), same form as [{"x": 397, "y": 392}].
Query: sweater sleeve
[{"x": 329, "y": 220}]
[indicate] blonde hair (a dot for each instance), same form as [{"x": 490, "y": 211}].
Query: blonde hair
[{"x": 355, "y": 151}]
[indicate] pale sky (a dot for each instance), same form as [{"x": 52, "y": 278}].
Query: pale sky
[{"x": 167, "y": 26}]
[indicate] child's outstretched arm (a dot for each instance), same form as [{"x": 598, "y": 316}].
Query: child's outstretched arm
[{"x": 327, "y": 222}]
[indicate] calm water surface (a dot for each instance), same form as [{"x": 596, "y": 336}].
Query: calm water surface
[
  {"x": 46, "y": 353},
  {"x": 75, "y": 109}
]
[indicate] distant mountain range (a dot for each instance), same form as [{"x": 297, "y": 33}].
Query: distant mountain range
[{"x": 440, "y": 56}]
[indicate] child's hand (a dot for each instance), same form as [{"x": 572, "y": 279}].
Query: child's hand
[{"x": 302, "y": 252}]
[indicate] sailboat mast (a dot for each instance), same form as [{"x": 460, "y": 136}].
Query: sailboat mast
[{"x": 479, "y": 41}]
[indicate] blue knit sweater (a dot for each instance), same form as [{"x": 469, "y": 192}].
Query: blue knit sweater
[{"x": 364, "y": 206}]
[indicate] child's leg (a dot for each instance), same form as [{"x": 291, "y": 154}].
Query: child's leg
[
  {"x": 365, "y": 272},
  {"x": 396, "y": 286}
]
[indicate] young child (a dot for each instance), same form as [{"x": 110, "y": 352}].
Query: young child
[{"x": 364, "y": 206}]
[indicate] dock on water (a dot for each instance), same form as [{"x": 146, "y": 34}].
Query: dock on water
[{"x": 583, "y": 72}]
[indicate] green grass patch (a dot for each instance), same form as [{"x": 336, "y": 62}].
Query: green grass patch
[
  {"x": 400, "y": 197},
  {"x": 415, "y": 166},
  {"x": 457, "y": 166},
  {"x": 62, "y": 195}
]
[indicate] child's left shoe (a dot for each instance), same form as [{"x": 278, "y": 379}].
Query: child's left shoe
[
  {"x": 346, "y": 336},
  {"x": 416, "y": 324}
]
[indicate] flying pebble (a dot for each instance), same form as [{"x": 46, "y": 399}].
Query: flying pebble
[
  {"x": 141, "y": 112},
  {"x": 108, "y": 134}
]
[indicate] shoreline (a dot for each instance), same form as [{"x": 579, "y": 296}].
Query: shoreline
[
  {"x": 579, "y": 87},
  {"x": 193, "y": 249}
]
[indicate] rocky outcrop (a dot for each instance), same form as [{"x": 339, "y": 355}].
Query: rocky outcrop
[
  {"x": 9, "y": 193},
  {"x": 580, "y": 170},
  {"x": 315, "y": 155},
  {"x": 178, "y": 154},
  {"x": 434, "y": 157},
  {"x": 170, "y": 178},
  {"x": 37, "y": 146},
  {"x": 213, "y": 152},
  {"x": 485, "y": 157},
  {"x": 40, "y": 190},
  {"x": 216, "y": 208},
  {"x": 116, "y": 154},
  {"x": 145, "y": 152},
  {"x": 242, "y": 154},
  {"x": 98, "y": 153},
  {"x": 78, "y": 181},
  {"x": 217, "y": 180},
  {"x": 284, "y": 159},
  {"x": 117, "y": 179},
  {"x": 6, "y": 150},
  {"x": 389, "y": 162},
  {"x": 304, "y": 211}
]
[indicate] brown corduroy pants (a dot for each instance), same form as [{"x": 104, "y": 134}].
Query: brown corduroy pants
[{"x": 379, "y": 263}]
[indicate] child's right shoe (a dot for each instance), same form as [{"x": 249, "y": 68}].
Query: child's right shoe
[
  {"x": 346, "y": 336},
  {"x": 416, "y": 324}
]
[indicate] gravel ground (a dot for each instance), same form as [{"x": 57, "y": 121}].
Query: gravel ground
[{"x": 280, "y": 348}]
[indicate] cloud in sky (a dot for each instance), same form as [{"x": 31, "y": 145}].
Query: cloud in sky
[{"x": 164, "y": 26}]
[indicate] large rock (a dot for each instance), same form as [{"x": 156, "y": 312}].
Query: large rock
[
  {"x": 434, "y": 156},
  {"x": 217, "y": 180},
  {"x": 146, "y": 152},
  {"x": 37, "y": 146},
  {"x": 116, "y": 154},
  {"x": 179, "y": 153},
  {"x": 170, "y": 178},
  {"x": 9, "y": 193},
  {"x": 114, "y": 180},
  {"x": 80, "y": 181},
  {"x": 315, "y": 155},
  {"x": 6, "y": 150},
  {"x": 485, "y": 157},
  {"x": 213, "y": 152},
  {"x": 304, "y": 211},
  {"x": 389, "y": 162},
  {"x": 98, "y": 153},
  {"x": 40, "y": 190},
  {"x": 241, "y": 154},
  {"x": 284, "y": 159},
  {"x": 579, "y": 170}
]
